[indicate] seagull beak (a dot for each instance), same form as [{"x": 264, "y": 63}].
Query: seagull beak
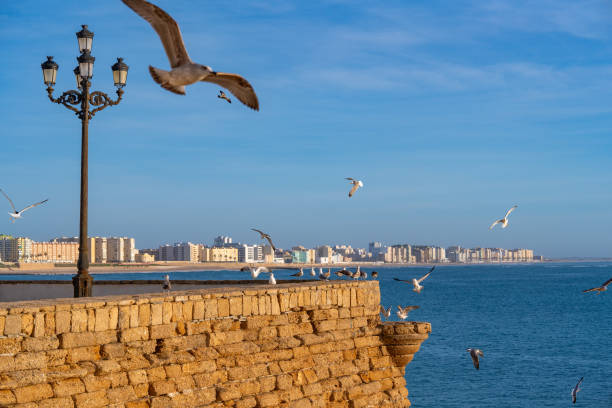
[{"x": 214, "y": 72}]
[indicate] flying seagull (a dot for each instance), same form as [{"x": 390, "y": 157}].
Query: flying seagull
[
  {"x": 265, "y": 236},
  {"x": 356, "y": 184},
  {"x": 599, "y": 289},
  {"x": 166, "y": 285},
  {"x": 417, "y": 282},
  {"x": 576, "y": 389},
  {"x": 402, "y": 312},
  {"x": 504, "y": 221},
  {"x": 474, "y": 353},
  {"x": 222, "y": 95},
  {"x": 299, "y": 274},
  {"x": 272, "y": 281},
  {"x": 255, "y": 271},
  {"x": 385, "y": 312},
  {"x": 17, "y": 214},
  {"x": 184, "y": 70}
]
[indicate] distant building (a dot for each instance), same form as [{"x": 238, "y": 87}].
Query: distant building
[
  {"x": 250, "y": 253},
  {"x": 15, "y": 249},
  {"x": 218, "y": 254},
  {"x": 299, "y": 256},
  {"x": 180, "y": 251},
  {"x": 144, "y": 257},
  {"x": 55, "y": 252},
  {"x": 221, "y": 241}
]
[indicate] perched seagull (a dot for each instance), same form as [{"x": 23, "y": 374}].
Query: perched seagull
[
  {"x": 272, "y": 281},
  {"x": 385, "y": 312},
  {"x": 504, "y": 221},
  {"x": 599, "y": 289},
  {"x": 357, "y": 274},
  {"x": 299, "y": 274},
  {"x": 474, "y": 353},
  {"x": 324, "y": 276},
  {"x": 266, "y": 237},
  {"x": 356, "y": 184},
  {"x": 402, "y": 312},
  {"x": 374, "y": 274},
  {"x": 184, "y": 70},
  {"x": 17, "y": 214},
  {"x": 364, "y": 274},
  {"x": 576, "y": 389},
  {"x": 417, "y": 282},
  {"x": 313, "y": 272},
  {"x": 255, "y": 271},
  {"x": 167, "y": 286},
  {"x": 222, "y": 95}
]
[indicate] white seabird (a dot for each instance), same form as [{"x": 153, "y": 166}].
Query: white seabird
[
  {"x": 417, "y": 282},
  {"x": 17, "y": 214},
  {"x": 599, "y": 289},
  {"x": 474, "y": 353},
  {"x": 255, "y": 271},
  {"x": 576, "y": 389},
  {"x": 504, "y": 221},
  {"x": 222, "y": 95},
  {"x": 385, "y": 312},
  {"x": 299, "y": 274},
  {"x": 402, "y": 312},
  {"x": 313, "y": 272},
  {"x": 272, "y": 281},
  {"x": 184, "y": 70},
  {"x": 265, "y": 236},
  {"x": 356, "y": 184},
  {"x": 167, "y": 285}
]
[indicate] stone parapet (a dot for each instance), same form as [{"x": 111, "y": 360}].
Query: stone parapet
[{"x": 318, "y": 344}]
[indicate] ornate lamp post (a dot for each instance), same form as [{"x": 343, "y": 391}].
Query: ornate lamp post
[{"x": 79, "y": 102}]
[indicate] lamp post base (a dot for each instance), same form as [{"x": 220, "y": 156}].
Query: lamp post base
[{"x": 82, "y": 283}]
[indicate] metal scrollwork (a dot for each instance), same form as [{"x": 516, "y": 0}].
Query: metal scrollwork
[
  {"x": 67, "y": 99},
  {"x": 102, "y": 100}
]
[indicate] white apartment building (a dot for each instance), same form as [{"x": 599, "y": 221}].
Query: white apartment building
[
  {"x": 180, "y": 251},
  {"x": 250, "y": 253}
]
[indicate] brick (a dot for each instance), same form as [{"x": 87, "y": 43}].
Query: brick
[
  {"x": 68, "y": 387},
  {"x": 113, "y": 350},
  {"x": 6, "y": 397},
  {"x": 12, "y": 325},
  {"x": 156, "y": 314},
  {"x": 91, "y": 400},
  {"x": 223, "y": 309},
  {"x": 134, "y": 316},
  {"x": 162, "y": 387},
  {"x": 78, "y": 321},
  {"x": 198, "y": 327},
  {"x": 91, "y": 353},
  {"x": 268, "y": 399},
  {"x": 10, "y": 345},
  {"x": 137, "y": 404},
  {"x": 29, "y": 361},
  {"x": 62, "y": 402},
  {"x": 163, "y": 331},
  {"x": 120, "y": 394},
  {"x": 134, "y": 334},
  {"x": 27, "y": 324},
  {"x": 33, "y": 393},
  {"x": 137, "y": 377}
]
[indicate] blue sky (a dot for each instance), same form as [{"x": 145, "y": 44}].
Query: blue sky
[{"x": 450, "y": 112}]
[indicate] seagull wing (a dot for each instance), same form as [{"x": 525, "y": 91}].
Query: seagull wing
[
  {"x": 409, "y": 308},
  {"x": 240, "y": 87},
  {"x": 432, "y": 269},
  {"x": 9, "y": 200},
  {"x": 424, "y": 277},
  {"x": 260, "y": 232},
  {"x": 33, "y": 205},
  {"x": 495, "y": 223},
  {"x": 591, "y": 290},
  {"x": 350, "y": 178},
  {"x": 405, "y": 281},
  {"x": 167, "y": 29},
  {"x": 355, "y": 187},
  {"x": 510, "y": 210},
  {"x": 267, "y": 237},
  {"x": 606, "y": 283},
  {"x": 474, "y": 356}
]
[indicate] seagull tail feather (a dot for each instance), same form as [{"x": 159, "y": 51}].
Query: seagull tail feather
[{"x": 163, "y": 78}]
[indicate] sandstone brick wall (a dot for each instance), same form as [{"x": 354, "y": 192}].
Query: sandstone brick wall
[{"x": 303, "y": 345}]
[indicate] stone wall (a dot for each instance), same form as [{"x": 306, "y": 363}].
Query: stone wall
[{"x": 299, "y": 345}]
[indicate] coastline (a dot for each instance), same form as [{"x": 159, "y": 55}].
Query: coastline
[{"x": 235, "y": 266}]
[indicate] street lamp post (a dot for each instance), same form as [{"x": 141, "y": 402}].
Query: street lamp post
[{"x": 79, "y": 102}]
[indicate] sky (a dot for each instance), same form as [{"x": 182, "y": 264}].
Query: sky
[{"x": 449, "y": 111}]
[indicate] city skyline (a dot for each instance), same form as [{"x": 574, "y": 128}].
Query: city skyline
[{"x": 446, "y": 129}]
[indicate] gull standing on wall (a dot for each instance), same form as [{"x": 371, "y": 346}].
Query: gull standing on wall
[
  {"x": 504, "y": 221},
  {"x": 166, "y": 285},
  {"x": 356, "y": 184},
  {"x": 184, "y": 70},
  {"x": 272, "y": 281},
  {"x": 417, "y": 282},
  {"x": 474, "y": 353},
  {"x": 265, "y": 236},
  {"x": 313, "y": 272},
  {"x": 17, "y": 214},
  {"x": 299, "y": 274}
]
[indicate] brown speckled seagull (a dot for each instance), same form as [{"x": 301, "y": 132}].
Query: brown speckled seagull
[{"x": 184, "y": 71}]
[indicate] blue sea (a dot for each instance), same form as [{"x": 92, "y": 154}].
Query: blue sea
[{"x": 538, "y": 331}]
